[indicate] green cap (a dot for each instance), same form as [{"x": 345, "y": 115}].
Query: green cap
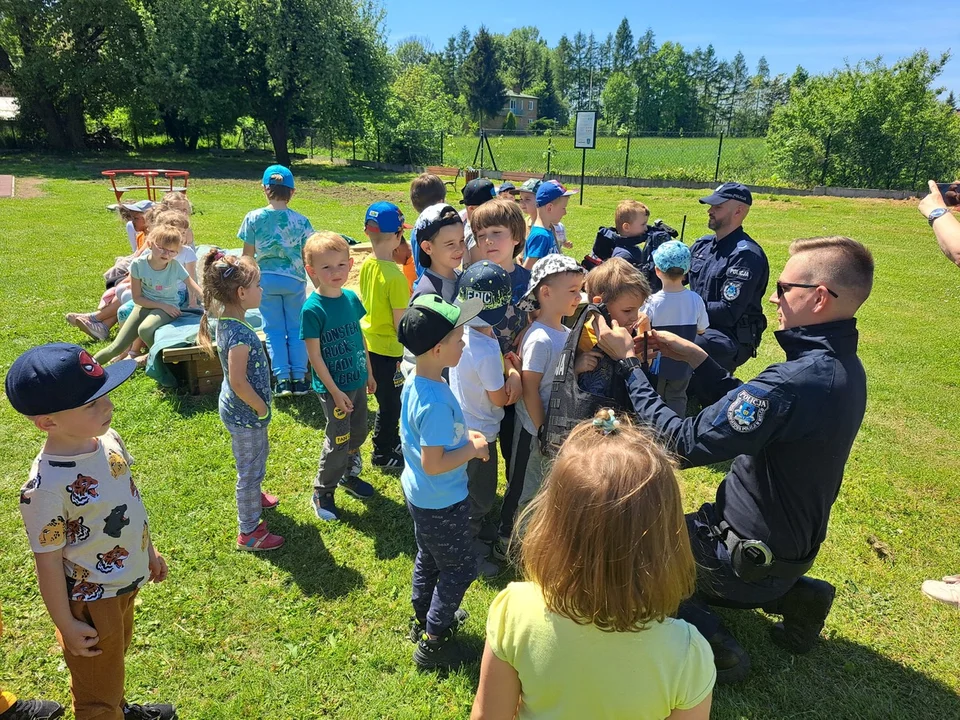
[{"x": 429, "y": 319}]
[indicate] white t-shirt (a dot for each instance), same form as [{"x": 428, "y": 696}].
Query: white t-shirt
[
  {"x": 132, "y": 235},
  {"x": 480, "y": 370},
  {"x": 683, "y": 309},
  {"x": 186, "y": 255},
  {"x": 541, "y": 350}
]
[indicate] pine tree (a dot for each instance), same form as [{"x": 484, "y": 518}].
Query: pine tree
[
  {"x": 550, "y": 105},
  {"x": 624, "y": 50},
  {"x": 480, "y": 74}
]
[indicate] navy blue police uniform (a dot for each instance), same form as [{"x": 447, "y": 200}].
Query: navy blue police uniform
[{"x": 789, "y": 432}]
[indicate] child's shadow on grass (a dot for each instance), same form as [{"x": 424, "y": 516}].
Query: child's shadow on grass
[
  {"x": 305, "y": 409},
  {"x": 849, "y": 680},
  {"x": 188, "y": 405},
  {"x": 387, "y": 522},
  {"x": 307, "y": 560}
]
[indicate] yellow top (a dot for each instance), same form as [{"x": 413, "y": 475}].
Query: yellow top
[{"x": 383, "y": 289}]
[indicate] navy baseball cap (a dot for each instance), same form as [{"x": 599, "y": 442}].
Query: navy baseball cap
[
  {"x": 490, "y": 283},
  {"x": 386, "y": 216},
  {"x": 507, "y": 187},
  {"x": 430, "y": 318},
  {"x": 60, "y": 376},
  {"x": 552, "y": 190},
  {"x": 729, "y": 191},
  {"x": 477, "y": 192},
  {"x": 285, "y": 176}
]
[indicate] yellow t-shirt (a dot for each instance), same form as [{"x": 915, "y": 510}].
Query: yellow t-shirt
[
  {"x": 588, "y": 339},
  {"x": 578, "y": 671},
  {"x": 383, "y": 289}
]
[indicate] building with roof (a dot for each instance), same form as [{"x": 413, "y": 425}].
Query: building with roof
[{"x": 524, "y": 107}]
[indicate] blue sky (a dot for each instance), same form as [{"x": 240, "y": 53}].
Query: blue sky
[{"x": 816, "y": 34}]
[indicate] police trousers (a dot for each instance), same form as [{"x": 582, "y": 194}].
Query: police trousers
[{"x": 717, "y": 583}]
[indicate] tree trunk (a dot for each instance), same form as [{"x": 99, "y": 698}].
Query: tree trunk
[{"x": 279, "y": 134}]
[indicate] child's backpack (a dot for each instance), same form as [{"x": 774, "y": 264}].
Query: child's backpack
[{"x": 569, "y": 404}]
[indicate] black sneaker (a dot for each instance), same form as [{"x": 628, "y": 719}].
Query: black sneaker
[
  {"x": 33, "y": 710},
  {"x": 355, "y": 487},
  {"x": 300, "y": 387},
  {"x": 324, "y": 506},
  {"x": 392, "y": 462},
  {"x": 149, "y": 712},
  {"x": 417, "y": 628},
  {"x": 284, "y": 389},
  {"x": 804, "y": 609},
  {"x": 501, "y": 550},
  {"x": 444, "y": 652}
]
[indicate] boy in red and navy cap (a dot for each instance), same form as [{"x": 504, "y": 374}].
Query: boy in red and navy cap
[{"x": 85, "y": 521}]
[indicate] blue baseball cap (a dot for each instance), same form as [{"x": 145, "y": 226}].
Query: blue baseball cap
[
  {"x": 670, "y": 255},
  {"x": 551, "y": 190},
  {"x": 386, "y": 216},
  {"x": 60, "y": 376},
  {"x": 729, "y": 191},
  {"x": 285, "y": 179},
  {"x": 491, "y": 284}
]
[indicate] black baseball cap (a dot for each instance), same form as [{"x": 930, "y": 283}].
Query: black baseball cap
[
  {"x": 60, "y": 376},
  {"x": 729, "y": 191},
  {"x": 477, "y": 192},
  {"x": 430, "y": 318}
]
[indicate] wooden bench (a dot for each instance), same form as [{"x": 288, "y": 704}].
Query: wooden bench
[
  {"x": 441, "y": 170},
  {"x": 520, "y": 177}
]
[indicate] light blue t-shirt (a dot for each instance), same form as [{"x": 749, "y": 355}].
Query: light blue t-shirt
[
  {"x": 278, "y": 237},
  {"x": 540, "y": 243},
  {"x": 429, "y": 417}
]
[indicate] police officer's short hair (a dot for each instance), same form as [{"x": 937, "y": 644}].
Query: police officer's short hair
[{"x": 839, "y": 262}]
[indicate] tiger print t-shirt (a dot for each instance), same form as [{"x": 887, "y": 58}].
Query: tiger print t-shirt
[{"x": 89, "y": 507}]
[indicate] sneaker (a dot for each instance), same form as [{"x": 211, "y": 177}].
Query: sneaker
[
  {"x": 33, "y": 710},
  {"x": 300, "y": 387},
  {"x": 946, "y": 591},
  {"x": 284, "y": 388},
  {"x": 480, "y": 548},
  {"x": 444, "y": 652},
  {"x": 392, "y": 462},
  {"x": 355, "y": 487},
  {"x": 501, "y": 550},
  {"x": 89, "y": 324},
  {"x": 354, "y": 465},
  {"x": 260, "y": 540},
  {"x": 324, "y": 506},
  {"x": 418, "y": 628},
  {"x": 149, "y": 712},
  {"x": 268, "y": 501},
  {"x": 486, "y": 568}
]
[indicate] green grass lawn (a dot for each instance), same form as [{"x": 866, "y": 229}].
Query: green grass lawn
[{"x": 317, "y": 628}]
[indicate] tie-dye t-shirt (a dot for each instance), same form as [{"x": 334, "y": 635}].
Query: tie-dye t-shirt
[
  {"x": 89, "y": 507},
  {"x": 278, "y": 237},
  {"x": 234, "y": 411}
]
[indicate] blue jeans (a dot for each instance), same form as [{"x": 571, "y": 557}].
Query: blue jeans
[{"x": 283, "y": 298}]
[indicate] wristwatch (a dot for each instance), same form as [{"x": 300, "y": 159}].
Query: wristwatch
[
  {"x": 935, "y": 213},
  {"x": 628, "y": 365}
]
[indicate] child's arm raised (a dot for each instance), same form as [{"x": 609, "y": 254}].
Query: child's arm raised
[
  {"x": 340, "y": 398},
  {"x": 237, "y": 358},
  {"x": 499, "y": 692},
  {"x": 436, "y": 460},
  {"x": 136, "y": 290},
  {"x": 78, "y": 637}
]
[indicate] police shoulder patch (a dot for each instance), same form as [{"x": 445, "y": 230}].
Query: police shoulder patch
[
  {"x": 746, "y": 412},
  {"x": 731, "y": 290},
  {"x": 741, "y": 273}
]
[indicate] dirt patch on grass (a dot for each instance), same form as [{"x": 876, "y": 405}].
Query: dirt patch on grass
[
  {"x": 27, "y": 188},
  {"x": 359, "y": 194}
]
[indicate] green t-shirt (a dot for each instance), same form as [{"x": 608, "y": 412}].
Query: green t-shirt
[
  {"x": 576, "y": 671},
  {"x": 158, "y": 285},
  {"x": 336, "y": 323},
  {"x": 383, "y": 289}
]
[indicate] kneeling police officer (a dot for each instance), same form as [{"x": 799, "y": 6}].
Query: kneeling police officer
[{"x": 790, "y": 430}]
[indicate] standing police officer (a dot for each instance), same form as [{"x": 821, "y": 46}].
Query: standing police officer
[
  {"x": 790, "y": 430},
  {"x": 729, "y": 270}
]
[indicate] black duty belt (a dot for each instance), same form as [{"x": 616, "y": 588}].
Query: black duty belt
[{"x": 753, "y": 560}]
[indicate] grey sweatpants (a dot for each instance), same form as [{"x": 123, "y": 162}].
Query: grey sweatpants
[
  {"x": 344, "y": 433},
  {"x": 674, "y": 394},
  {"x": 250, "y": 449},
  {"x": 482, "y": 487}
]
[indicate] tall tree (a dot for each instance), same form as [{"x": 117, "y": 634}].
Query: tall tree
[
  {"x": 66, "y": 59},
  {"x": 312, "y": 62},
  {"x": 413, "y": 51},
  {"x": 485, "y": 90},
  {"x": 563, "y": 67},
  {"x": 523, "y": 52},
  {"x": 624, "y": 50},
  {"x": 644, "y": 69},
  {"x": 619, "y": 96}
]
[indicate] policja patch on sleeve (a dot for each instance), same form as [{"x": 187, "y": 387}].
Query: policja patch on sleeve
[{"x": 746, "y": 412}]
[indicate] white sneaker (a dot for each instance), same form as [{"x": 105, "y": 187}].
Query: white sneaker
[{"x": 946, "y": 591}]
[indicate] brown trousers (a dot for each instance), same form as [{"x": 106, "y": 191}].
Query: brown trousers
[{"x": 96, "y": 683}]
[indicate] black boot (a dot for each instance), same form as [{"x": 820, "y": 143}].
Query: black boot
[
  {"x": 731, "y": 660},
  {"x": 804, "y": 609},
  {"x": 446, "y": 652}
]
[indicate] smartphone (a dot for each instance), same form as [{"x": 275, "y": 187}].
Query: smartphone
[{"x": 950, "y": 192}]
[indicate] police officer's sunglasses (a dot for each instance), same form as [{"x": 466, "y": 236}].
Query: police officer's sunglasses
[{"x": 782, "y": 287}]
